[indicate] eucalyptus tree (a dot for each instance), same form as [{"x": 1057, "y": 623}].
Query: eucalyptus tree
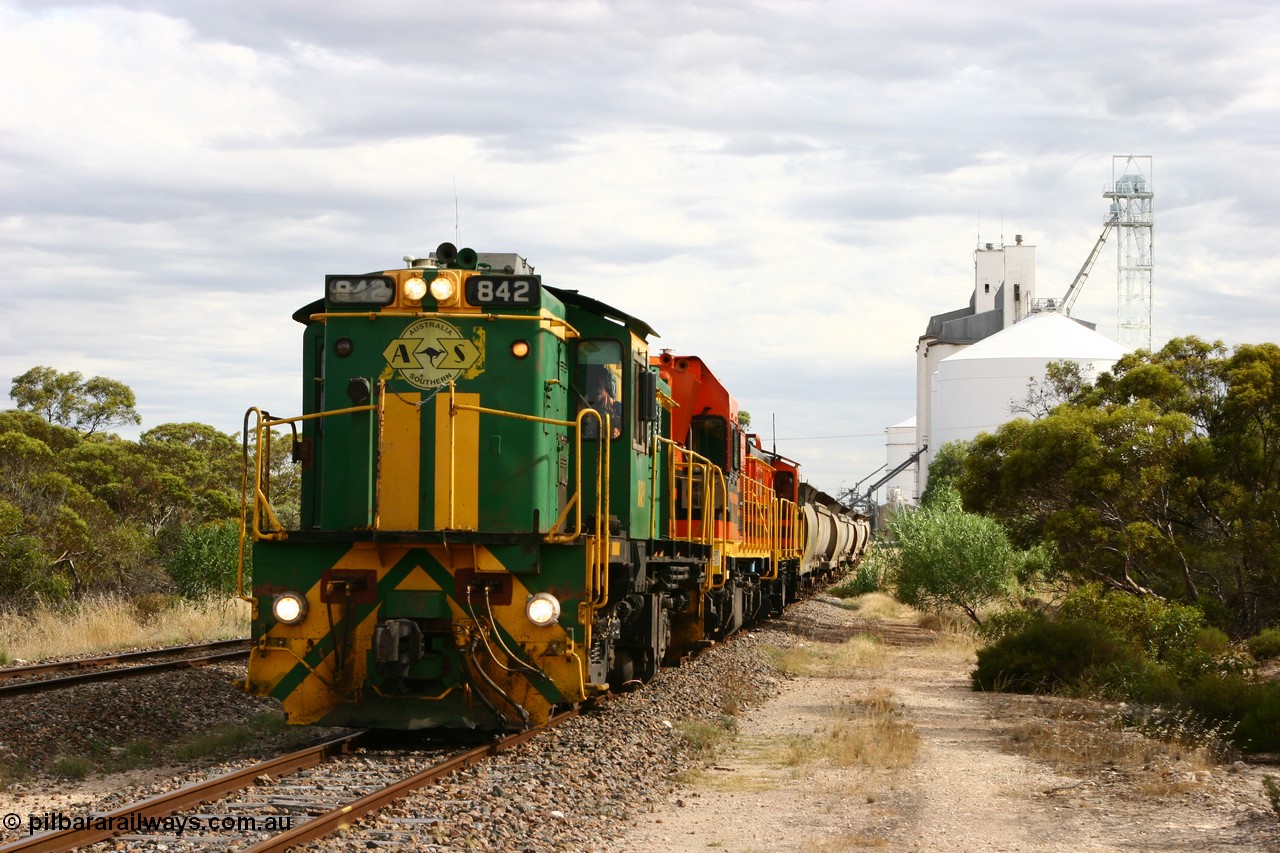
[{"x": 1162, "y": 477}]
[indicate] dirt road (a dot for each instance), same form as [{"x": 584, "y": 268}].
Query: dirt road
[{"x": 895, "y": 751}]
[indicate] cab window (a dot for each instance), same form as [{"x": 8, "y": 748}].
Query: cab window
[{"x": 598, "y": 385}]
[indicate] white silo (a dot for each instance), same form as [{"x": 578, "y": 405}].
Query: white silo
[
  {"x": 900, "y": 443},
  {"x": 974, "y": 389}
]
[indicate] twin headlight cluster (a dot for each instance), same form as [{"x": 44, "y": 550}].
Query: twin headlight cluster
[
  {"x": 542, "y": 608},
  {"x": 381, "y": 289},
  {"x": 442, "y": 289}
]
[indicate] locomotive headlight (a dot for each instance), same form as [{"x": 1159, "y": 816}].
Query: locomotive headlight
[
  {"x": 542, "y": 609},
  {"x": 289, "y": 608},
  {"x": 415, "y": 288},
  {"x": 442, "y": 289}
]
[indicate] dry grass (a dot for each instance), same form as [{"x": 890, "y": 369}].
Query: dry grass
[
  {"x": 878, "y": 605},
  {"x": 957, "y": 646},
  {"x": 829, "y": 660},
  {"x": 107, "y": 623},
  {"x": 869, "y": 732},
  {"x": 1074, "y": 738},
  {"x": 705, "y": 738}
]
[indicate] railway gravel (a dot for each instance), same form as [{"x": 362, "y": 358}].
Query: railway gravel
[
  {"x": 581, "y": 785},
  {"x": 619, "y": 778},
  {"x": 573, "y": 788}
]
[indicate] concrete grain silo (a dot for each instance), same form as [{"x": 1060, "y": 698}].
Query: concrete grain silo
[{"x": 975, "y": 388}]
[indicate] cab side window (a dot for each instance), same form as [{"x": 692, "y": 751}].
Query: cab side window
[{"x": 598, "y": 385}]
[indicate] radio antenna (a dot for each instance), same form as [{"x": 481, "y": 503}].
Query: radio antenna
[{"x": 457, "y": 240}]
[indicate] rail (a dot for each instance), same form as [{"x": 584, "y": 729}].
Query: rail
[
  {"x": 785, "y": 535},
  {"x": 118, "y": 822},
  {"x": 553, "y": 323},
  {"x": 343, "y": 816},
  {"x": 19, "y": 680},
  {"x": 108, "y": 825}
]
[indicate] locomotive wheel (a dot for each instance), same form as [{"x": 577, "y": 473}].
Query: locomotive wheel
[
  {"x": 624, "y": 676},
  {"x": 653, "y": 660}
]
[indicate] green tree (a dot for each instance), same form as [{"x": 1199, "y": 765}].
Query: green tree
[
  {"x": 56, "y": 438},
  {"x": 205, "y": 461},
  {"x": 68, "y": 399},
  {"x": 947, "y": 557},
  {"x": 202, "y": 559},
  {"x": 1063, "y": 381},
  {"x": 1161, "y": 478},
  {"x": 22, "y": 560},
  {"x": 945, "y": 469}
]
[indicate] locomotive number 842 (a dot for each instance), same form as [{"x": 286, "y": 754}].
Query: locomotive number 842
[{"x": 509, "y": 505}]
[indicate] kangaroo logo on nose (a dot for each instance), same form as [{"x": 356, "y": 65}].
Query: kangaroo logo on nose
[{"x": 430, "y": 353}]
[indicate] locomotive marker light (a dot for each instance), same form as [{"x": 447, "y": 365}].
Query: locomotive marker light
[
  {"x": 289, "y": 608},
  {"x": 520, "y": 349},
  {"x": 542, "y": 609}
]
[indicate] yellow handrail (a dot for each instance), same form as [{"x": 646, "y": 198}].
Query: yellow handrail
[
  {"x": 325, "y": 316},
  {"x": 597, "y": 550},
  {"x": 251, "y": 521},
  {"x": 711, "y": 482}
]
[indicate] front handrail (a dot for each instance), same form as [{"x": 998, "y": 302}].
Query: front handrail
[
  {"x": 251, "y": 517},
  {"x": 567, "y": 330},
  {"x": 785, "y": 533}
]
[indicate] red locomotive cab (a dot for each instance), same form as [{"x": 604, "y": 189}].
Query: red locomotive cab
[
  {"x": 786, "y": 487},
  {"x": 704, "y": 422}
]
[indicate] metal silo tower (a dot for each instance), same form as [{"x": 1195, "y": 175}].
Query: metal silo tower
[{"x": 1132, "y": 195}]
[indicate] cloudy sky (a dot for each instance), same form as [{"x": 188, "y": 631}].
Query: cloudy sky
[{"x": 789, "y": 189}]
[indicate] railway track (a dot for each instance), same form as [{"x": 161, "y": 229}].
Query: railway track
[
  {"x": 297, "y": 810},
  {"x": 35, "y": 678}
]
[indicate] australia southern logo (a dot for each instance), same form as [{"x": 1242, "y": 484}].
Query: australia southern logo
[{"x": 430, "y": 353}]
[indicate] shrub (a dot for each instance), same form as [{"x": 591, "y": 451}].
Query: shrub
[
  {"x": 1259, "y": 729},
  {"x": 1047, "y": 656},
  {"x": 1005, "y": 622},
  {"x": 202, "y": 559},
  {"x": 1265, "y": 644},
  {"x": 1173, "y": 634},
  {"x": 869, "y": 576},
  {"x": 1250, "y": 706},
  {"x": 1272, "y": 789},
  {"x": 1212, "y": 641},
  {"x": 947, "y": 557}
]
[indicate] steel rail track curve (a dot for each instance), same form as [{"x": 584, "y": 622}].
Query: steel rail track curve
[
  {"x": 120, "y": 821},
  {"x": 344, "y": 816},
  {"x": 163, "y": 805}
]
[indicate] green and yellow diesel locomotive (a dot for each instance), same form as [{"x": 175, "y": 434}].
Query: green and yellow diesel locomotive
[{"x": 508, "y": 505}]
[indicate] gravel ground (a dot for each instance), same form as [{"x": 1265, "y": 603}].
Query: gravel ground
[
  {"x": 624, "y": 777},
  {"x": 579, "y": 786},
  {"x": 573, "y": 788},
  {"x": 971, "y": 785}
]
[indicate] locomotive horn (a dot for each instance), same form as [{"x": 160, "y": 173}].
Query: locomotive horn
[
  {"x": 446, "y": 253},
  {"x": 467, "y": 258}
]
